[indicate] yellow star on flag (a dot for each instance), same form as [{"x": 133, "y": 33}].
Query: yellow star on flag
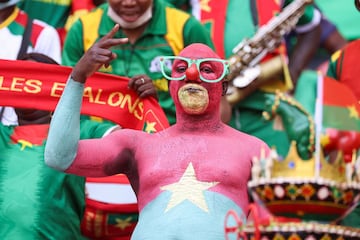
[
  {"x": 204, "y": 5},
  {"x": 324, "y": 140},
  {"x": 353, "y": 112},
  {"x": 188, "y": 188},
  {"x": 25, "y": 144},
  {"x": 123, "y": 223},
  {"x": 150, "y": 127}
]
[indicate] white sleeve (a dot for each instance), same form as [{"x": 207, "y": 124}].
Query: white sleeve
[{"x": 48, "y": 43}]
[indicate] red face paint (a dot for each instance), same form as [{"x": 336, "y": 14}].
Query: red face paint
[{"x": 214, "y": 90}]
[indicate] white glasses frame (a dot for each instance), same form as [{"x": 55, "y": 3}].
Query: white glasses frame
[{"x": 165, "y": 59}]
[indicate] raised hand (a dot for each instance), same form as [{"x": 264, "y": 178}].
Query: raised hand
[{"x": 99, "y": 54}]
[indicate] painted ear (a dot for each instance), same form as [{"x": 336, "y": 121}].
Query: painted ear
[{"x": 225, "y": 85}]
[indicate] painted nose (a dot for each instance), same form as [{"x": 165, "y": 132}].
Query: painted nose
[{"x": 192, "y": 74}]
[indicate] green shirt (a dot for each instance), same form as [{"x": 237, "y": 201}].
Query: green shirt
[
  {"x": 54, "y": 13},
  {"x": 142, "y": 57},
  {"x": 38, "y": 202}
]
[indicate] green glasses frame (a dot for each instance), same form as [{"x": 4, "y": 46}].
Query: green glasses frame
[{"x": 165, "y": 59}]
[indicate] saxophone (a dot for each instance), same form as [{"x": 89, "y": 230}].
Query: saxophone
[{"x": 249, "y": 52}]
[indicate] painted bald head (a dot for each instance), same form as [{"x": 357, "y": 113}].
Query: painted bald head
[
  {"x": 195, "y": 94},
  {"x": 198, "y": 50}
]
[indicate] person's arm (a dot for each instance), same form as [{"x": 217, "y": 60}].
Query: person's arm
[
  {"x": 64, "y": 132},
  {"x": 303, "y": 52},
  {"x": 308, "y": 32}
]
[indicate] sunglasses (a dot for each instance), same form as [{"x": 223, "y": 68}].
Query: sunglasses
[{"x": 211, "y": 70}]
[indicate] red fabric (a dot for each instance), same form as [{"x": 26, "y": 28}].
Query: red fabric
[
  {"x": 101, "y": 220},
  {"x": 82, "y": 5},
  {"x": 215, "y": 14},
  {"x": 98, "y": 222},
  {"x": 62, "y": 34},
  {"x": 29, "y": 84},
  {"x": 263, "y": 6},
  {"x": 36, "y": 136},
  {"x": 349, "y": 72},
  {"x": 119, "y": 178},
  {"x": 338, "y": 94},
  {"x": 264, "y": 16}
]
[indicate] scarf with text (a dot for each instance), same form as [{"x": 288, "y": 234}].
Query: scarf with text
[{"x": 28, "y": 84}]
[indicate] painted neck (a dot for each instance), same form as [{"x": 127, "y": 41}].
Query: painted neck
[{"x": 203, "y": 123}]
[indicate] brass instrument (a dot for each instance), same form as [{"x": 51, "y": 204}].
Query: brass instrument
[{"x": 249, "y": 52}]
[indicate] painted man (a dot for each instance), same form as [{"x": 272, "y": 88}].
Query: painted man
[{"x": 186, "y": 177}]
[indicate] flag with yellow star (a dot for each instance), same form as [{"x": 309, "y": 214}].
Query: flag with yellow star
[
  {"x": 340, "y": 106},
  {"x": 109, "y": 221},
  {"x": 154, "y": 122}
]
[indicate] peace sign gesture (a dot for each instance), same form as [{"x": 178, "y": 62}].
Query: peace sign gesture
[{"x": 99, "y": 54}]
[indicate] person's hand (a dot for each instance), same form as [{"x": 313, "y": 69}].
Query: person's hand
[
  {"x": 143, "y": 86},
  {"x": 99, "y": 54}
]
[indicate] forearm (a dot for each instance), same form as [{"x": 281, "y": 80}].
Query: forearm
[
  {"x": 64, "y": 133},
  {"x": 303, "y": 52}
]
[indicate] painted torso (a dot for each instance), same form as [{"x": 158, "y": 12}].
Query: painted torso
[{"x": 188, "y": 181}]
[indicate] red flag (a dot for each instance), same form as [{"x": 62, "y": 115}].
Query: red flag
[
  {"x": 340, "y": 118},
  {"x": 340, "y": 106}
]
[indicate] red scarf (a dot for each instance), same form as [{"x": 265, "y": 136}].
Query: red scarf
[{"x": 37, "y": 85}]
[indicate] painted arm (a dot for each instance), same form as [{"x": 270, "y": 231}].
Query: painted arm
[{"x": 64, "y": 133}]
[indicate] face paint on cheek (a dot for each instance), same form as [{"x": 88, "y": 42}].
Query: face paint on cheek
[{"x": 193, "y": 98}]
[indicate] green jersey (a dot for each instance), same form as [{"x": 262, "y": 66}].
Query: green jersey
[
  {"x": 54, "y": 13},
  {"x": 38, "y": 202},
  {"x": 168, "y": 31}
]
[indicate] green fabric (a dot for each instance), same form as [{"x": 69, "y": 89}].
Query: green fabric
[
  {"x": 37, "y": 202},
  {"x": 331, "y": 71},
  {"x": 247, "y": 116},
  {"x": 353, "y": 218},
  {"x": 141, "y": 57},
  {"x": 54, "y": 13},
  {"x": 339, "y": 118},
  {"x": 234, "y": 33},
  {"x": 249, "y": 119},
  {"x": 307, "y": 16},
  {"x": 306, "y": 90},
  {"x": 344, "y": 15}
]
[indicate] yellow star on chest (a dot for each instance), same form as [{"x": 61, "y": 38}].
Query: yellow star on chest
[{"x": 188, "y": 188}]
